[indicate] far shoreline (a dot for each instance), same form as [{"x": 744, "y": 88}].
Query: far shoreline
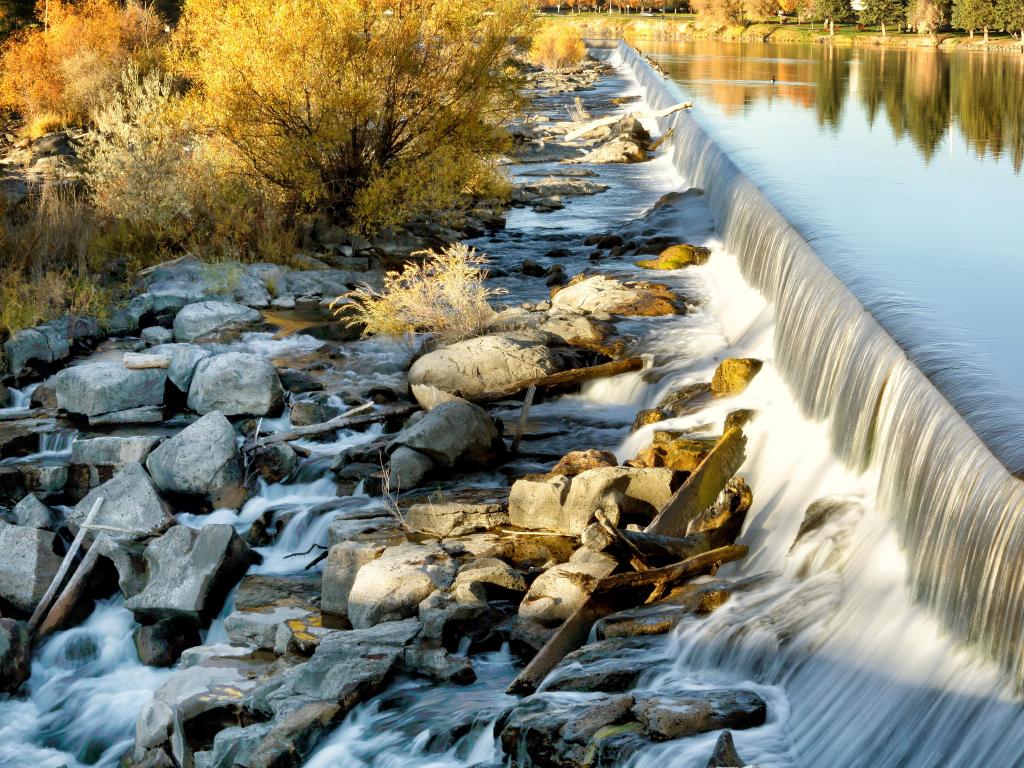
[{"x": 687, "y": 27}]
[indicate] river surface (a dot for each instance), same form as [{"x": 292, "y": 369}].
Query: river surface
[{"x": 902, "y": 168}]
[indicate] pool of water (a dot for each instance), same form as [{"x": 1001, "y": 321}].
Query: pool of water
[{"x": 902, "y": 168}]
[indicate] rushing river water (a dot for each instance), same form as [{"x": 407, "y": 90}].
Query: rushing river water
[{"x": 855, "y": 670}]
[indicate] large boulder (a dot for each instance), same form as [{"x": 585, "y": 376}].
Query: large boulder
[
  {"x": 207, "y": 317},
  {"x": 190, "y": 572},
  {"x": 99, "y": 388},
  {"x": 28, "y": 564},
  {"x": 184, "y": 359},
  {"x": 677, "y": 257},
  {"x": 455, "y": 434},
  {"x": 280, "y": 614},
  {"x": 131, "y": 506},
  {"x": 391, "y": 587},
  {"x": 236, "y": 384},
  {"x": 602, "y": 294},
  {"x": 201, "y": 460},
  {"x": 456, "y": 518},
  {"x": 567, "y": 504},
  {"x": 15, "y": 655},
  {"x": 484, "y": 364},
  {"x": 556, "y": 594},
  {"x": 343, "y": 563}
]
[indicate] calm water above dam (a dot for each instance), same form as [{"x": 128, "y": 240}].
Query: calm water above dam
[{"x": 904, "y": 171}]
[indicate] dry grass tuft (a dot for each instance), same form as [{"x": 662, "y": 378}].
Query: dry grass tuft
[
  {"x": 445, "y": 294},
  {"x": 558, "y": 46}
]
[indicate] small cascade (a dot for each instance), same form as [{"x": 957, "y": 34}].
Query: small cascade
[{"x": 957, "y": 507}]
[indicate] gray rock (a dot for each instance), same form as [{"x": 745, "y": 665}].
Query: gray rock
[
  {"x": 392, "y": 586},
  {"x": 674, "y": 717},
  {"x": 97, "y": 388},
  {"x": 439, "y": 665},
  {"x": 609, "y": 666},
  {"x": 568, "y": 504},
  {"x": 128, "y": 558},
  {"x": 156, "y": 334},
  {"x": 112, "y": 451},
  {"x": 725, "y": 754},
  {"x": 343, "y": 563},
  {"x": 160, "y": 644},
  {"x": 150, "y": 414},
  {"x": 236, "y": 384},
  {"x": 273, "y": 462},
  {"x": 601, "y": 294},
  {"x": 484, "y": 364},
  {"x": 208, "y": 317},
  {"x": 30, "y": 512},
  {"x": 5, "y": 394},
  {"x": 131, "y": 505},
  {"x": 560, "y": 590},
  {"x": 190, "y": 572},
  {"x": 306, "y": 412},
  {"x": 27, "y": 566},
  {"x": 550, "y": 731},
  {"x": 455, "y": 519},
  {"x": 24, "y": 347},
  {"x": 491, "y": 572},
  {"x": 407, "y": 468},
  {"x": 200, "y": 460},
  {"x": 184, "y": 359},
  {"x": 15, "y": 655},
  {"x": 270, "y": 611},
  {"x": 454, "y": 434}
]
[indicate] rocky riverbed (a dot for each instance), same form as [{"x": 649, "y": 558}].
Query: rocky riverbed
[{"x": 303, "y": 547}]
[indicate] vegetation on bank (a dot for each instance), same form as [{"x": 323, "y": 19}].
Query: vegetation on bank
[
  {"x": 981, "y": 24},
  {"x": 230, "y": 133}
]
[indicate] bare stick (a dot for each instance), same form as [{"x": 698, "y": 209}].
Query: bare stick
[
  {"x": 138, "y": 361},
  {"x": 563, "y": 378},
  {"x": 64, "y": 604},
  {"x": 355, "y": 417},
  {"x": 523, "y": 416},
  {"x": 69, "y": 558}
]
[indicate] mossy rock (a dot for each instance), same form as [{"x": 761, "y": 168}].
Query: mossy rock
[
  {"x": 648, "y": 416},
  {"x": 734, "y": 375},
  {"x": 682, "y": 454},
  {"x": 677, "y": 257}
]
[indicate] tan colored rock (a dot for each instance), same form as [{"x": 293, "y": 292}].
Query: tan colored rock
[
  {"x": 734, "y": 375},
  {"x": 677, "y": 257}
]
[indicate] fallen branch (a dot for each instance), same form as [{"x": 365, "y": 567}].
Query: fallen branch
[
  {"x": 612, "y": 594},
  {"x": 44, "y": 604},
  {"x": 138, "y": 361},
  {"x": 523, "y": 416},
  {"x": 355, "y": 417},
  {"x": 564, "y": 378},
  {"x": 76, "y": 586},
  {"x": 701, "y": 488},
  {"x": 583, "y": 130},
  {"x": 636, "y": 557}
]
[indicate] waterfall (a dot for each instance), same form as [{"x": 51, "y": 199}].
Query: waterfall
[{"x": 955, "y": 505}]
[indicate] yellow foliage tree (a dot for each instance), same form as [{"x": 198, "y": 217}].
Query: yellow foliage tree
[
  {"x": 557, "y": 46},
  {"x": 370, "y": 109},
  {"x": 57, "y": 73}
]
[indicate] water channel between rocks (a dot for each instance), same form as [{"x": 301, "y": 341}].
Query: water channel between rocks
[{"x": 852, "y": 671}]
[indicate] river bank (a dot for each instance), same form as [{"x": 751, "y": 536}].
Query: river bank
[{"x": 640, "y": 29}]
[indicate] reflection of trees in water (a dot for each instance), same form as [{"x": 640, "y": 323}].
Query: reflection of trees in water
[{"x": 920, "y": 93}]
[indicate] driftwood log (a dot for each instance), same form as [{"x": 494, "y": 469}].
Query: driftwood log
[
  {"x": 139, "y": 361},
  {"x": 563, "y": 379},
  {"x": 701, "y": 488},
  {"x": 43, "y": 607},
  {"x": 612, "y": 594}
]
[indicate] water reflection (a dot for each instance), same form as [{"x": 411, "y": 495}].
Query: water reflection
[{"x": 921, "y": 94}]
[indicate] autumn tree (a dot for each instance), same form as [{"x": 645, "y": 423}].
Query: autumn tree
[
  {"x": 369, "y": 110},
  {"x": 57, "y": 73},
  {"x": 1010, "y": 14},
  {"x": 757, "y": 10},
  {"x": 883, "y": 12},
  {"x": 927, "y": 16},
  {"x": 974, "y": 14},
  {"x": 831, "y": 11},
  {"x": 724, "y": 11}
]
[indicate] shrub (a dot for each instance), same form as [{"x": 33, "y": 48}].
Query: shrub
[
  {"x": 56, "y": 72},
  {"x": 444, "y": 294},
  {"x": 354, "y": 107},
  {"x": 44, "y": 272},
  {"x": 557, "y": 46}
]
